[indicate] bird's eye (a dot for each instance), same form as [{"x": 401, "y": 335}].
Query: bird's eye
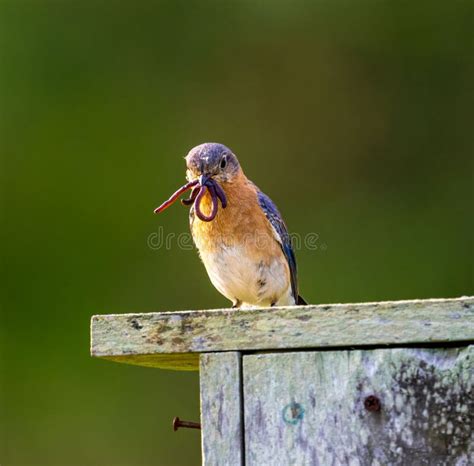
[{"x": 223, "y": 163}]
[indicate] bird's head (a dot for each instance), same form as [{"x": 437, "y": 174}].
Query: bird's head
[
  {"x": 208, "y": 165},
  {"x": 212, "y": 160}
]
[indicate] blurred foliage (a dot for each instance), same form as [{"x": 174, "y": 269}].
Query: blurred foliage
[{"x": 355, "y": 117}]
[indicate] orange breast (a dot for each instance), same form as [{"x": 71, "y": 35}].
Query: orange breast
[
  {"x": 242, "y": 219},
  {"x": 241, "y": 223},
  {"x": 240, "y": 251}
]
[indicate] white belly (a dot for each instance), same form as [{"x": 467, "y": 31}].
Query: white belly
[{"x": 243, "y": 279}]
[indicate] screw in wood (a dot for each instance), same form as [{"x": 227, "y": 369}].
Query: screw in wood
[
  {"x": 177, "y": 423},
  {"x": 372, "y": 403}
]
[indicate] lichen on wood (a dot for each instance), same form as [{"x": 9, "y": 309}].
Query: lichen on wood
[
  {"x": 311, "y": 407},
  {"x": 173, "y": 339}
]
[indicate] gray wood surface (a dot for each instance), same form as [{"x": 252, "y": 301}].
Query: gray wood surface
[
  {"x": 221, "y": 409},
  {"x": 169, "y": 339},
  {"x": 308, "y": 408}
]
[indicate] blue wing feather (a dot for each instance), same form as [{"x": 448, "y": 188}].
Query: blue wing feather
[{"x": 273, "y": 215}]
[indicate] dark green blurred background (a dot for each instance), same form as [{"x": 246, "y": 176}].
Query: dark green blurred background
[{"x": 355, "y": 116}]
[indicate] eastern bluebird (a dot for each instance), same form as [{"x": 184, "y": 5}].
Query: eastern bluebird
[{"x": 245, "y": 246}]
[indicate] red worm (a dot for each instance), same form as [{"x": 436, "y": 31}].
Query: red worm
[
  {"x": 215, "y": 190},
  {"x": 220, "y": 194},
  {"x": 192, "y": 197},
  {"x": 175, "y": 196},
  {"x": 197, "y": 203}
]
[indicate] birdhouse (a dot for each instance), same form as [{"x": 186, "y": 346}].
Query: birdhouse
[{"x": 344, "y": 384}]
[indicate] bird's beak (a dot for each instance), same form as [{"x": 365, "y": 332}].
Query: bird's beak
[{"x": 203, "y": 179}]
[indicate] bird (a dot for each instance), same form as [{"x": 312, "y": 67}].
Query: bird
[{"x": 244, "y": 245}]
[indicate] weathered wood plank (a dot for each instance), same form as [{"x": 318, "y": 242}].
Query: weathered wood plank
[
  {"x": 221, "y": 409},
  {"x": 309, "y": 407},
  {"x": 163, "y": 339}
]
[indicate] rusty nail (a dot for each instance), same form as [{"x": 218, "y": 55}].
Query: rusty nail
[
  {"x": 177, "y": 423},
  {"x": 372, "y": 403}
]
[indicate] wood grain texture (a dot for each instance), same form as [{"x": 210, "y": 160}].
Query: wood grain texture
[
  {"x": 221, "y": 409},
  {"x": 307, "y": 408},
  {"x": 166, "y": 339}
]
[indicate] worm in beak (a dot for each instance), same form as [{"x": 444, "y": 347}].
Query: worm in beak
[{"x": 199, "y": 188}]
